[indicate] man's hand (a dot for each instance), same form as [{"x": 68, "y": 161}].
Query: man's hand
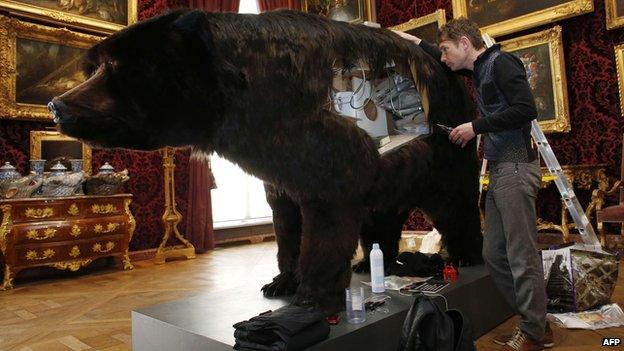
[
  {"x": 416, "y": 40},
  {"x": 462, "y": 134}
]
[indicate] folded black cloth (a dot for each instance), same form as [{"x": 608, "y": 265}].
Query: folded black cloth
[
  {"x": 417, "y": 264},
  {"x": 288, "y": 328}
]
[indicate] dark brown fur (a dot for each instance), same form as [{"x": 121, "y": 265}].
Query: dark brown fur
[{"x": 254, "y": 89}]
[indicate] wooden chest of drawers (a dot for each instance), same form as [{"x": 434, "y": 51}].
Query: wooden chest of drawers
[{"x": 65, "y": 233}]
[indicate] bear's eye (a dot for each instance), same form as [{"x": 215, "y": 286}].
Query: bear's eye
[
  {"x": 89, "y": 70},
  {"x": 89, "y": 67}
]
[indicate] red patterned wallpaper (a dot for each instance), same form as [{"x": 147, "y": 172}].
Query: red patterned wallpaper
[
  {"x": 145, "y": 168},
  {"x": 150, "y": 8},
  {"x": 597, "y": 126}
]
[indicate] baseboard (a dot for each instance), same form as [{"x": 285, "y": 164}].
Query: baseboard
[
  {"x": 142, "y": 255},
  {"x": 253, "y": 234}
]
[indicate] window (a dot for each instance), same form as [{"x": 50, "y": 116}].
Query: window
[
  {"x": 248, "y": 6},
  {"x": 239, "y": 198}
]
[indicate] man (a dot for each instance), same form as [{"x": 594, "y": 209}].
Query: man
[{"x": 507, "y": 108}]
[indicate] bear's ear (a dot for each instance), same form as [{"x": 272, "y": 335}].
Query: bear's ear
[{"x": 190, "y": 22}]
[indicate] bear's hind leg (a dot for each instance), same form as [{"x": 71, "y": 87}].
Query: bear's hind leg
[
  {"x": 383, "y": 228},
  {"x": 460, "y": 227},
  {"x": 329, "y": 239},
  {"x": 287, "y": 226}
]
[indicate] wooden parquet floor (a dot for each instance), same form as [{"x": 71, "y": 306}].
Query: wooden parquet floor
[{"x": 92, "y": 312}]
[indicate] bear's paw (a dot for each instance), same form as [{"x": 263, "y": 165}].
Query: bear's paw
[{"x": 283, "y": 284}]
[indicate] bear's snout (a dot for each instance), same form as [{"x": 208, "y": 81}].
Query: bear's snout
[{"x": 59, "y": 112}]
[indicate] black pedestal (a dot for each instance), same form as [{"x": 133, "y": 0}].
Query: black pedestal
[{"x": 204, "y": 322}]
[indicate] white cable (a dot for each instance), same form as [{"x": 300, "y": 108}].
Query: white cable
[{"x": 370, "y": 94}]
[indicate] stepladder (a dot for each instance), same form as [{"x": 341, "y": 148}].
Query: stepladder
[{"x": 566, "y": 190}]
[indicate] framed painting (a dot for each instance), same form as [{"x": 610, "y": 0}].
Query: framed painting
[
  {"x": 619, "y": 64},
  {"x": 425, "y": 27},
  {"x": 36, "y": 64},
  {"x": 615, "y": 13},
  {"x": 542, "y": 56},
  {"x": 104, "y": 16},
  {"x": 500, "y": 17},
  {"x": 352, "y": 11},
  {"x": 54, "y": 146}
]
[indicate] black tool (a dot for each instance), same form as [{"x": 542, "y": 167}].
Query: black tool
[
  {"x": 372, "y": 305},
  {"x": 446, "y": 129}
]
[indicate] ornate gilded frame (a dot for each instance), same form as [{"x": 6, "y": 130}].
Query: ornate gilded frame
[
  {"x": 613, "y": 20},
  {"x": 619, "y": 64},
  {"x": 38, "y": 136},
  {"x": 438, "y": 17},
  {"x": 66, "y": 18},
  {"x": 547, "y": 15},
  {"x": 10, "y": 30},
  {"x": 367, "y": 9},
  {"x": 552, "y": 37}
]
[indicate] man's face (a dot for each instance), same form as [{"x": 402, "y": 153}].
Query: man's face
[{"x": 454, "y": 54}]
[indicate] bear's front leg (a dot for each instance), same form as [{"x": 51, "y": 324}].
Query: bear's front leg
[
  {"x": 287, "y": 226},
  {"x": 329, "y": 239}
]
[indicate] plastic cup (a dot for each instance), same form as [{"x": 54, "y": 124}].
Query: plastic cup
[{"x": 355, "y": 305}]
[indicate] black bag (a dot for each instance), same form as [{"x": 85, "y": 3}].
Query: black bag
[{"x": 428, "y": 328}]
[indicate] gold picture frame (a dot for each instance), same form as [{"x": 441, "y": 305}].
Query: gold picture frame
[
  {"x": 619, "y": 64},
  {"x": 542, "y": 55},
  {"x": 37, "y": 63},
  {"x": 352, "y": 11},
  {"x": 47, "y": 145},
  {"x": 500, "y": 17},
  {"x": 425, "y": 27},
  {"x": 95, "y": 15},
  {"x": 614, "y": 10}
]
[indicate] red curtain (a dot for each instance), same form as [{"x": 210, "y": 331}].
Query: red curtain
[
  {"x": 268, "y": 5},
  {"x": 199, "y": 214},
  {"x": 215, "y": 5}
]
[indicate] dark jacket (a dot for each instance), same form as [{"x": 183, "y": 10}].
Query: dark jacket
[{"x": 505, "y": 102}]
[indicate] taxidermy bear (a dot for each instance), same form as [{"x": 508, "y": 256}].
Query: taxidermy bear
[{"x": 254, "y": 89}]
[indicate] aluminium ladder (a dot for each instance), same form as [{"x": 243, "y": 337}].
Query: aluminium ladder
[{"x": 570, "y": 200}]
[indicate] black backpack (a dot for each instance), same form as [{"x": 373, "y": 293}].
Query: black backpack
[{"x": 428, "y": 328}]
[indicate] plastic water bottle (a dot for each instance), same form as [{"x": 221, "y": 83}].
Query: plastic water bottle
[{"x": 377, "y": 269}]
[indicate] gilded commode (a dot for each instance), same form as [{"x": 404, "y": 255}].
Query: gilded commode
[{"x": 65, "y": 233}]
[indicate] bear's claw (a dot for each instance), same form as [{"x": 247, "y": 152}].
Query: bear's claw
[{"x": 283, "y": 284}]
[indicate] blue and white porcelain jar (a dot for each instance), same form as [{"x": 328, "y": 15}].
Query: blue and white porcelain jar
[
  {"x": 57, "y": 169},
  {"x": 8, "y": 172},
  {"x": 37, "y": 167},
  {"x": 76, "y": 165},
  {"x": 106, "y": 169}
]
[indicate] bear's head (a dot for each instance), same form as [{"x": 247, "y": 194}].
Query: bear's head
[{"x": 150, "y": 85}]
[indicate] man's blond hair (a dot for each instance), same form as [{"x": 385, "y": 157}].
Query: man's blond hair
[{"x": 459, "y": 27}]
